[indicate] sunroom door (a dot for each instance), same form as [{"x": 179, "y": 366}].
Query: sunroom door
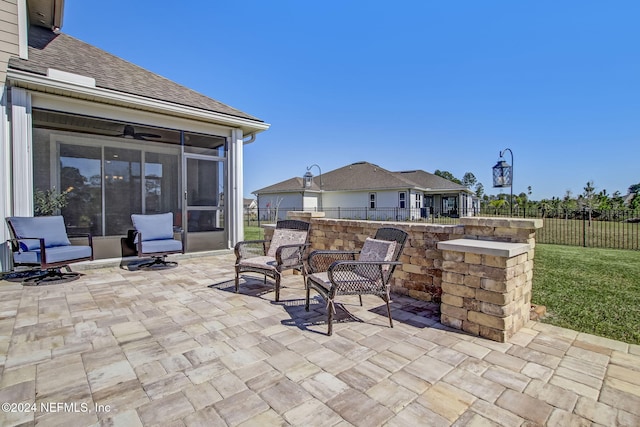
[{"x": 203, "y": 212}]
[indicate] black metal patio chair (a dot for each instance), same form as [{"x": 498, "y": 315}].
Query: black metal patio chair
[
  {"x": 285, "y": 251},
  {"x": 336, "y": 273}
]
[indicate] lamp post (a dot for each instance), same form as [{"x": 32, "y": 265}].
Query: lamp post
[
  {"x": 307, "y": 181},
  {"x": 503, "y": 176}
]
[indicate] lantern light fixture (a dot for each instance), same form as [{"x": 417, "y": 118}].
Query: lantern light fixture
[
  {"x": 503, "y": 175},
  {"x": 307, "y": 178}
]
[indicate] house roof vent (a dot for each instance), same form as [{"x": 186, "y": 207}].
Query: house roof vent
[{"x": 67, "y": 77}]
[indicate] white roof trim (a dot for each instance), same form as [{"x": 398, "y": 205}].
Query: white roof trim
[{"x": 111, "y": 96}]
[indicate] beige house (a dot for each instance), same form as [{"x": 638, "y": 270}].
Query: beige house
[
  {"x": 363, "y": 190},
  {"x": 122, "y": 139}
]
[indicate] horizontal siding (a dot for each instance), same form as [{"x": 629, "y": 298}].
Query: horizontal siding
[
  {"x": 9, "y": 43},
  {"x": 9, "y": 6}
]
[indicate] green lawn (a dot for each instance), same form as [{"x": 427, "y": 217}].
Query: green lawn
[
  {"x": 596, "y": 291},
  {"x": 253, "y": 233}
]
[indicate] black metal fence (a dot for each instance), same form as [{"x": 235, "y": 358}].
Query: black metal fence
[
  {"x": 597, "y": 228},
  {"x": 428, "y": 214}
]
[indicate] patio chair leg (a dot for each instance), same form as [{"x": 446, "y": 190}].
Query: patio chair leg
[
  {"x": 389, "y": 312},
  {"x": 360, "y": 300},
  {"x": 237, "y": 281},
  {"x": 306, "y": 302},
  {"x": 277, "y": 287},
  {"x": 330, "y": 311}
]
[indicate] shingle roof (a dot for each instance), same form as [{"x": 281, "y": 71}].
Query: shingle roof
[
  {"x": 367, "y": 176},
  {"x": 291, "y": 184},
  {"x": 63, "y": 52},
  {"x": 430, "y": 181}
]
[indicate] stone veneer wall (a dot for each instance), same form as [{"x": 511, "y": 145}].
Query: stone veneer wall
[
  {"x": 421, "y": 274},
  {"x": 486, "y": 287}
]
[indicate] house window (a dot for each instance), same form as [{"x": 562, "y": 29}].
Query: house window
[
  {"x": 80, "y": 171},
  {"x": 112, "y": 173},
  {"x": 418, "y": 203},
  {"x": 402, "y": 202},
  {"x": 108, "y": 183},
  {"x": 372, "y": 200},
  {"x": 450, "y": 205},
  {"x": 122, "y": 188}
]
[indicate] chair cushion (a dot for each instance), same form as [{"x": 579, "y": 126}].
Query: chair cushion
[
  {"x": 160, "y": 246},
  {"x": 321, "y": 279},
  {"x": 49, "y": 228},
  {"x": 375, "y": 250},
  {"x": 153, "y": 227},
  {"x": 263, "y": 262},
  {"x": 285, "y": 236},
  {"x": 54, "y": 255}
]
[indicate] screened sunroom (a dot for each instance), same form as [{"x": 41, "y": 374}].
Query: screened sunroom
[{"x": 118, "y": 139}]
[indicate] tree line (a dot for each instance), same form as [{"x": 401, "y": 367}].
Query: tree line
[{"x": 589, "y": 198}]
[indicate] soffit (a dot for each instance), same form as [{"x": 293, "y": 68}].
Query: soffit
[{"x": 46, "y": 13}]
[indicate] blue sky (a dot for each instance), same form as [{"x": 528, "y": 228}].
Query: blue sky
[{"x": 405, "y": 85}]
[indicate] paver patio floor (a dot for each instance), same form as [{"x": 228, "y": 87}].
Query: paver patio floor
[{"x": 179, "y": 347}]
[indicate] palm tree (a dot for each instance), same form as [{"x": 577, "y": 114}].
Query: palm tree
[
  {"x": 544, "y": 207},
  {"x": 497, "y": 204}
]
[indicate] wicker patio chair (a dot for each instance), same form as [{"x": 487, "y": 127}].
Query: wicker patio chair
[
  {"x": 335, "y": 273},
  {"x": 285, "y": 252}
]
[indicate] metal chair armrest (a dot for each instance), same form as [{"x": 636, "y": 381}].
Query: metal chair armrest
[
  {"x": 250, "y": 248},
  {"x": 89, "y": 238},
  {"x": 291, "y": 255},
  {"x": 320, "y": 260},
  {"x": 348, "y": 277}
]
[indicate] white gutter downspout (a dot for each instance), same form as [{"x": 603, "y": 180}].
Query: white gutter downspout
[
  {"x": 6, "y": 186},
  {"x": 252, "y": 137},
  {"x": 235, "y": 196}
]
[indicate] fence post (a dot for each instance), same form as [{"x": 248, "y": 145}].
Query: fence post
[{"x": 584, "y": 227}]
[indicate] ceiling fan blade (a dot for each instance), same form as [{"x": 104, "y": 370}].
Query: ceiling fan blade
[{"x": 130, "y": 132}]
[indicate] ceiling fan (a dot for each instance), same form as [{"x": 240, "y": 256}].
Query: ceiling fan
[{"x": 130, "y": 132}]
